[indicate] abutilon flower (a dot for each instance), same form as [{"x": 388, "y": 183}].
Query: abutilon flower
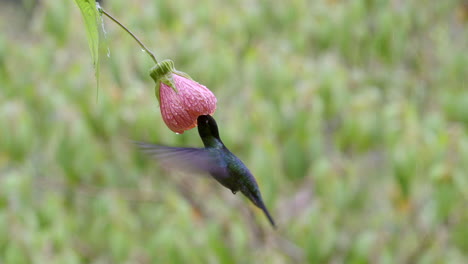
[{"x": 181, "y": 99}]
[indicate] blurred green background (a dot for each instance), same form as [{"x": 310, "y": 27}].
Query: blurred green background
[{"x": 353, "y": 116}]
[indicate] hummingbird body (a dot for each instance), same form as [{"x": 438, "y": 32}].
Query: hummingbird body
[{"x": 215, "y": 159}]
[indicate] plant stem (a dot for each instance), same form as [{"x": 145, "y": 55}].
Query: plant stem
[{"x": 129, "y": 32}]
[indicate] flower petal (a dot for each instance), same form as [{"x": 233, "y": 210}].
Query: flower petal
[{"x": 180, "y": 110}]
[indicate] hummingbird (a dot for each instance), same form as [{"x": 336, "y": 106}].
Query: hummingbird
[{"x": 214, "y": 159}]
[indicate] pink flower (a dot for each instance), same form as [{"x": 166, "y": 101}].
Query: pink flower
[{"x": 181, "y": 99}]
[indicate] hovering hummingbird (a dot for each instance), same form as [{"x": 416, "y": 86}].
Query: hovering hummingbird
[{"x": 215, "y": 159}]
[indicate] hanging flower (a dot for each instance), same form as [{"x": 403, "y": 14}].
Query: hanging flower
[{"x": 181, "y": 99}]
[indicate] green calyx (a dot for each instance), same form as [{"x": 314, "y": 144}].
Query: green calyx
[{"x": 162, "y": 73}]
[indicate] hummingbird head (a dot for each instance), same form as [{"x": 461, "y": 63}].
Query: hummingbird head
[{"x": 208, "y": 130}]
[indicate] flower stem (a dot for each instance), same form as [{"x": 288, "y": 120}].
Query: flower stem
[{"x": 101, "y": 10}]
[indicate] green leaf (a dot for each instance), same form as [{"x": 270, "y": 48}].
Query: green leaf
[{"x": 91, "y": 17}]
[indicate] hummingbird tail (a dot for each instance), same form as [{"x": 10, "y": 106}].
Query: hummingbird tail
[
  {"x": 256, "y": 198},
  {"x": 262, "y": 206}
]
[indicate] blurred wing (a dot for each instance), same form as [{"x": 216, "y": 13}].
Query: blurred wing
[{"x": 198, "y": 160}]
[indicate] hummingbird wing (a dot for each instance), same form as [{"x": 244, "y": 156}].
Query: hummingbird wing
[{"x": 198, "y": 160}]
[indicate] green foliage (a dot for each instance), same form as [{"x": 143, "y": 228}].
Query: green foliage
[
  {"x": 351, "y": 114},
  {"x": 91, "y": 18}
]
